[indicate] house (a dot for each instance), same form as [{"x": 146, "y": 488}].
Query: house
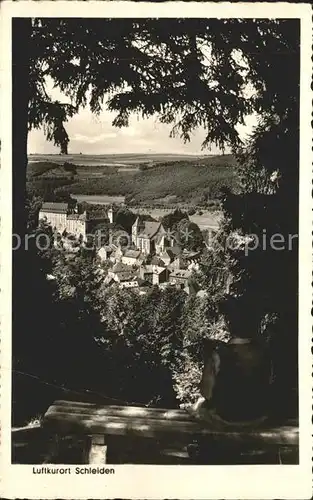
[
  {"x": 153, "y": 274},
  {"x": 159, "y": 275},
  {"x": 54, "y": 214},
  {"x": 180, "y": 278},
  {"x": 117, "y": 255},
  {"x": 122, "y": 274},
  {"x": 128, "y": 281},
  {"x": 192, "y": 257},
  {"x": 190, "y": 260},
  {"x": 178, "y": 263},
  {"x": 157, "y": 261},
  {"x": 105, "y": 252},
  {"x": 132, "y": 257},
  {"x": 146, "y": 274},
  {"x": 168, "y": 255},
  {"x": 143, "y": 286},
  {"x": 119, "y": 267},
  {"x": 109, "y": 280}
]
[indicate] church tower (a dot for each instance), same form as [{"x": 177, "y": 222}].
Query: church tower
[
  {"x": 110, "y": 215},
  {"x": 135, "y": 231}
]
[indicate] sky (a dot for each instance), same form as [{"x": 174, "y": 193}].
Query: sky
[
  {"x": 95, "y": 135},
  {"x": 90, "y": 134}
]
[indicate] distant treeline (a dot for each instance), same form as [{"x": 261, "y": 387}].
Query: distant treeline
[{"x": 164, "y": 183}]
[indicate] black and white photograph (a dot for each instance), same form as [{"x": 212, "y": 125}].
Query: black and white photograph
[{"x": 156, "y": 167}]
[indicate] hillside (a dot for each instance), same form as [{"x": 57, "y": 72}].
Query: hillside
[
  {"x": 115, "y": 159},
  {"x": 192, "y": 180}
]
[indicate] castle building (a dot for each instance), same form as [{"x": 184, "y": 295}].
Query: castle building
[
  {"x": 55, "y": 214},
  {"x": 77, "y": 224},
  {"x": 63, "y": 218}
]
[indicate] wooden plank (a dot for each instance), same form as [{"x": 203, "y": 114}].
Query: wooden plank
[
  {"x": 144, "y": 413},
  {"x": 20, "y": 431},
  {"x": 52, "y": 415},
  {"x": 134, "y": 411},
  {"x": 69, "y": 402},
  {"x": 98, "y": 450},
  {"x": 120, "y": 411},
  {"x": 113, "y": 408},
  {"x": 161, "y": 428}
]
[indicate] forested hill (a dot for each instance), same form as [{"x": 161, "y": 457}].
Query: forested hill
[{"x": 152, "y": 179}]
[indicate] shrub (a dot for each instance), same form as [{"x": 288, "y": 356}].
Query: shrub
[{"x": 186, "y": 379}]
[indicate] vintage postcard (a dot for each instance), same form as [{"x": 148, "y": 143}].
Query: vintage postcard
[{"x": 156, "y": 250}]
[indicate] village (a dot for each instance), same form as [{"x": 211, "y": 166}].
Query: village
[{"x": 148, "y": 256}]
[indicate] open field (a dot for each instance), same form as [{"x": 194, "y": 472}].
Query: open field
[{"x": 97, "y": 199}]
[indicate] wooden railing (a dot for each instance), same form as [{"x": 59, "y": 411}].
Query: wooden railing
[{"x": 77, "y": 432}]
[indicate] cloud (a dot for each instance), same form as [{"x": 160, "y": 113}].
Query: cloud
[
  {"x": 92, "y": 134},
  {"x": 130, "y": 131},
  {"x": 93, "y": 139}
]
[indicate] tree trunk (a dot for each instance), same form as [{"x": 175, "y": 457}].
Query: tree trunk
[
  {"x": 21, "y": 38},
  {"x": 21, "y": 33}
]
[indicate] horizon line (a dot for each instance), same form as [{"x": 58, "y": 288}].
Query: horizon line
[{"x": 125, "y": 154}]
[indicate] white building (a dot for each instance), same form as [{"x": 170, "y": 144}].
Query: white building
[
  {"x": 132, "y": 257},
  {"x": 54, "y": 214}
]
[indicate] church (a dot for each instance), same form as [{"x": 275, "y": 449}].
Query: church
[{"x": 149, "y": 236}]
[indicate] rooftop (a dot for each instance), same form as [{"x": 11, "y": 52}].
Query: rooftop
[
  {"x": 127, "y": 276},
  {"x": 54, "y": 207},
  {"x": 143, "y": 283},
  {"x": 190, "y": 254},
  {"x": 173, "y": 251},
  {"x": 150, "y": 229},
  {"x": 132, "y": 253},
  {"x": 107, "y": 248},
  {"x": 157, "y": 261},
  {"x": 81, "y": 217},
  {"x": 180, "y": 273},
  {"x": 149, "y": 268},
  {"x": 180, "y": 261},
  {"x": 119, "y": 267}
]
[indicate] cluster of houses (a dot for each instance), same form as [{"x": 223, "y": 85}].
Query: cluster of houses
[
  {"x": 151, "y": 259},
  {"x": 130, "y": 269}
]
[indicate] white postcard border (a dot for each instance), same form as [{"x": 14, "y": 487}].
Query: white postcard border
[{"x": 160, "y": 482}]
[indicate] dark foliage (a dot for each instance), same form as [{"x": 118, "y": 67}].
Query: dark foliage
[{"x": 171, "y": 220}]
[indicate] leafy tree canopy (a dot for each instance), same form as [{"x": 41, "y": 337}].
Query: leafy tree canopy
[
  {"x": 170, "y": 220},
  {"x": 189, "y": 235},
  {"x": 202, "y": 75}
]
